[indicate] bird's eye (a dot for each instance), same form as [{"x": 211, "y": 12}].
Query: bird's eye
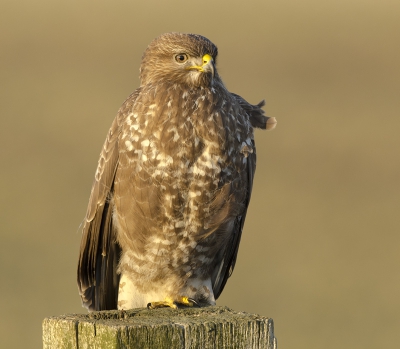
[{"x": 181, "y": 58}]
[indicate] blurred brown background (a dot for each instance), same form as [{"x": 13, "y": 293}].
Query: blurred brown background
[{"x": 320, "y": 251}]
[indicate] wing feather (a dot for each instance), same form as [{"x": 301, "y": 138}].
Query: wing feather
[
  {"x": 227, "y": 262},
  {"x": 238, "y": 195},
  {"x": 99, "y": 251},
  {"x": 256, "y": 114}
]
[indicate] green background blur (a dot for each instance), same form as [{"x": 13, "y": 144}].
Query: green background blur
[{"x": 320, "y": 250}]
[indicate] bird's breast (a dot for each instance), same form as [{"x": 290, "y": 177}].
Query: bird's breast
[{"x": 180, "y": 157}]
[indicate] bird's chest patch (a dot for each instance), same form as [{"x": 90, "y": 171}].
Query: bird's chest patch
[
  {"x": 181, "y": 156},
  {"x": 179, "y": 135}
]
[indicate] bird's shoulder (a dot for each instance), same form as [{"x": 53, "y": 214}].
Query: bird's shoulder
[{"x": 254, "y": 112}]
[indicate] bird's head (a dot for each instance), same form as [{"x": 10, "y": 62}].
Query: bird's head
[{"x": 187, "y": 59}]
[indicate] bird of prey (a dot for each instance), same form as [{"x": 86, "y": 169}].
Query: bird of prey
[{"x": 172, "y": 186}]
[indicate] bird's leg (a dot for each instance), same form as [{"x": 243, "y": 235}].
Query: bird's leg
[{"x": 169, "y": 302}]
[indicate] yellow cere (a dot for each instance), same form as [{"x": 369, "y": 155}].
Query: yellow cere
[{"x": 206, "y": 59}]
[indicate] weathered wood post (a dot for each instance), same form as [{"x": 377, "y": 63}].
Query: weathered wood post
[{"x": 208, "y": 328}]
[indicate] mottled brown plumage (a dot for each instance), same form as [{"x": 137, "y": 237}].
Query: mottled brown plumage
[{"x": 173, "y": 184}]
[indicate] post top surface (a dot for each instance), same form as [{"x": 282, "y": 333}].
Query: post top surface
[{"x": 162, "y": 315}]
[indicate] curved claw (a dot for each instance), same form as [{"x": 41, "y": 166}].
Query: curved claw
[{"x": 194, "y": 302}]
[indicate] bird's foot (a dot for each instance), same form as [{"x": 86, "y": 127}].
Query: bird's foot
[
  {"x": 187, "y": 302},
  {"x": 169, "y": 302}
]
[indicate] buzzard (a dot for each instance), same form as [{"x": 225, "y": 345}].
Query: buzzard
[{"x": 172, "y": 186}]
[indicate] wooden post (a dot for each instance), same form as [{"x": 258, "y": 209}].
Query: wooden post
[{"x": 202, "y": 328}]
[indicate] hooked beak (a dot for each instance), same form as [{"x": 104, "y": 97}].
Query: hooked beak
[{"x": 207, "y": 65}]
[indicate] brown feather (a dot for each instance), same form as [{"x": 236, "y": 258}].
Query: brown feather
[{"x": 99, "y": 251}]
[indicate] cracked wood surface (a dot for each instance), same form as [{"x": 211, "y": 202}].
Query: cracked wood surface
[{"x": 205, "y": 328}]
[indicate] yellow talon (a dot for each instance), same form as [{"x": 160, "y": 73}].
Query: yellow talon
[
  {"x": 186, "y": 301},
  {"x": 169, "y": 302}
]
